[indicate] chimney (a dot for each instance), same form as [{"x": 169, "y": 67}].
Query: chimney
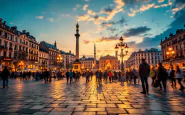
[
  {"x": 27, "y": 33},
  {"x": 4, "y": 22},
  {"x": 14, "y": 28},
  {"x": 23, "y": 31}
]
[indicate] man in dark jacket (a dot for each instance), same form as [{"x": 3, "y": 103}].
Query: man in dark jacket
[
  {"x": 144, "y": 71},
  {"x": 5, "y": 73},
  {"x": 162, "y": 77}
]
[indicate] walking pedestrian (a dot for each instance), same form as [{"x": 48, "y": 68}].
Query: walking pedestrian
[
  {"x": 97, "y": 76},
  {"x": 71, "y": 76},
  {"x": 144, "y": 71},
  {"x": 135, "y": 74},
  {"x": 100, "y": 77},
  {"x": 87, "y": 76},
  {"x": 179, "y": 77},
  {"x": 105, "y": 76},
  {"x": 5, "y": 73},
  {"x": 162, "y": 76},
  {"x": 172, "y": 77},
  {"x": 67, "y": 76},
  {"x": 110, "y": 76},
  {"x": 153, "y": 75}
]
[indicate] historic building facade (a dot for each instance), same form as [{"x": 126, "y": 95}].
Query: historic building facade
[
  {"x": 7, "y": 39},
  {"x": 176, "y": 43},
  {"x": 18, "y": 50},
  {"x": 43, "y": 59},
  {"x": 68, "y": 59},
  {"x": 87, "y": 63},
  {"x": 53, "y": 53},
  {"x": 152, "y": 56},
  {"x": 108, "y": 63}
]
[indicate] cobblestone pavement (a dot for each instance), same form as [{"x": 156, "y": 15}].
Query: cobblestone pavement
[{"x": 58, "y": 98}]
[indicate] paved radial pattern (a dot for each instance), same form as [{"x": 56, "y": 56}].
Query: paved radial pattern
[{"x": 58, "y": 98}]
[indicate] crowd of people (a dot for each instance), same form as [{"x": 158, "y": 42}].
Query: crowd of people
[{"x": 159, "y": 76}]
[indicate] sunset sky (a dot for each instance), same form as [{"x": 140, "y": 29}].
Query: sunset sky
[{"x": 142, "y": 23}]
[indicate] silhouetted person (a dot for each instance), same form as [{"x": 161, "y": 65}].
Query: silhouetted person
[
  {"x": 110, "y": 76},
  {"x": 67, "y": 76},
  {"x": 179, "y": 76},
  {"x": 144, "y": 71},
  {"x": 71, "y": 76},
  {"x": 172, "y": 77},
  {"x": 87, "y": 76},
  {"x": 5, "y": 73},
  {"x": 162, "y": 77}
]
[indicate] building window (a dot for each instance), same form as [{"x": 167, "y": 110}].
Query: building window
[
  {"x": 16, "y": 39},
  {"x": 1, "y": 32},
  {"x": 6, "y": 35},
  {"x": 5, "y": 44},
  {"x": 4, "y": 54},
  {"x": 10, "y": 54}
]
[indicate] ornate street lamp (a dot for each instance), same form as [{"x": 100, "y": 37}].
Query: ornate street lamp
[
  {"x": 170, "y": 55},
  {"x": 59, "y": 58},
  {"x": 124, "y": 50}
]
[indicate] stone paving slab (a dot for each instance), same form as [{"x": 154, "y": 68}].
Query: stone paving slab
[{"x": 58, "y": 98}]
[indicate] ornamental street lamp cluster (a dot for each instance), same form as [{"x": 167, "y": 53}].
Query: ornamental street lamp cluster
[
  {"x": 59, "y": 58},
  {"x": 170, "y": 55},
  {"x": 124, "y": 50}
]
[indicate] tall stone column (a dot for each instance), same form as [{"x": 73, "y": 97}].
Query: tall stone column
[{"x": 77, "y": 41}]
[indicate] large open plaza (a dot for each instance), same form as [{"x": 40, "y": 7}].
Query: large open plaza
[{"x": 80, "y": 98}]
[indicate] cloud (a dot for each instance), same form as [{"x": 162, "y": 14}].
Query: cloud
[
  {"x": 131, "y": 2},
  {"x": 160, "y": 1},
  {"x": 119, "y": 3},
  {"x": 40, "y": 17},
  {"x": 112, "y": 30},
  {"x": 155, "y": 41},
  {"x": 86, "y": 0},
  {"x": 103, "y": 15},
  {"x": 51, "y": 19},
  {"x": 136, "y": 31},
  {"x": 106, "y": 39},
  {"x": 146, "y": 7},
  {"x": 76, "y": 7},
  {"x": 110, "y": 23},
  {"x": 83, "y": 17},
  {"x": 108, "y": 10},
  {"x": 85, "y": 7},
  {"x": 86, "y": 41},
  {"x": 174, "y": 10}
]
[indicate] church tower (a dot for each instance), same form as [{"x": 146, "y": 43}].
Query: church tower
[{"x": 55, "y": 44}]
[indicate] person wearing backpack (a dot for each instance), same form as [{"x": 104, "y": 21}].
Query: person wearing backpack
[
  {"x": 162, "y": 77},
  {"x": 144, "y": 71},
  {"x": 153, "y": 75}
]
